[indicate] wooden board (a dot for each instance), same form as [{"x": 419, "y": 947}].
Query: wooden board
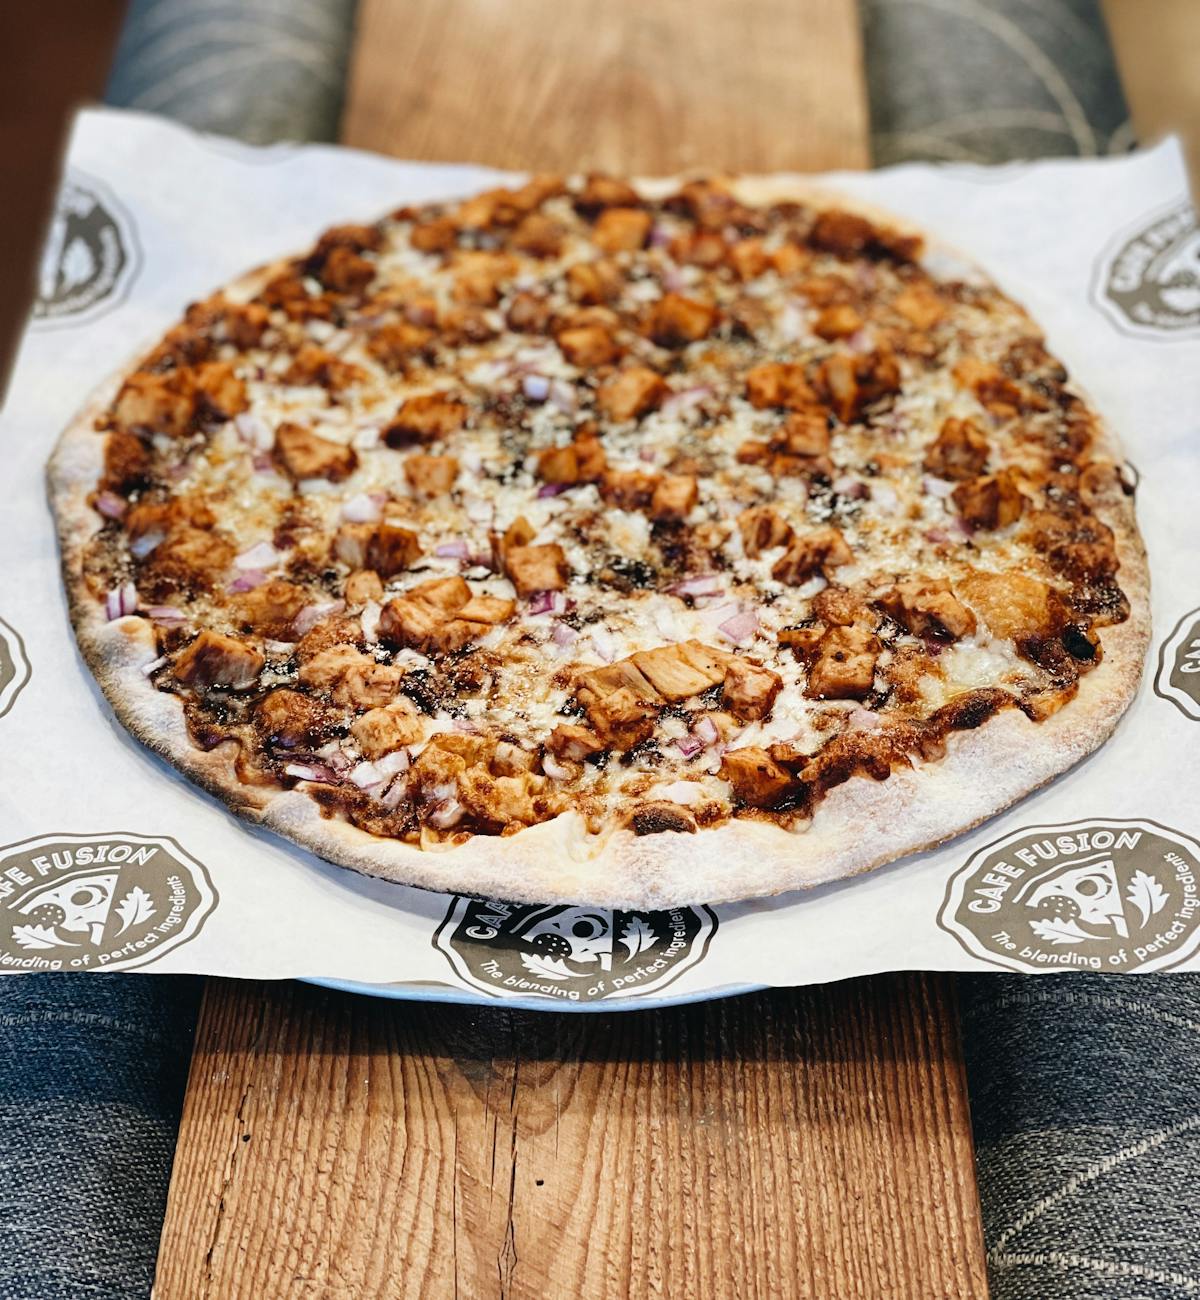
[
  {"x": 808, "y": 1143},
  {"x": 799, "y": 1143}
]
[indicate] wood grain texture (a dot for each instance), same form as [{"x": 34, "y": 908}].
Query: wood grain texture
[
  {"x": 798, "y": 1143},
  {"x": 618, "y": 85},
  {"x": 810, "y": 1143}
]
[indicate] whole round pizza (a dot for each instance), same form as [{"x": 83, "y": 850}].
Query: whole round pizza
[{"x": 609, "y": 543}]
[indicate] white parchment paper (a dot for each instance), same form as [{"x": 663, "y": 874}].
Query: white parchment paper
[{"x": 1106, "y": 255}]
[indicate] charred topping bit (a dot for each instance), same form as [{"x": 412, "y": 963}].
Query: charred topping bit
[{"x": 615, "y": 417}]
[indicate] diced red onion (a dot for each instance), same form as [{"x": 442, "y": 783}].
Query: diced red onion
[
  {"x": 121, "y": 601},
  {"x": 165, "y": 614},
  {"x": 851, "y": 488},
  {"x": 563, "y": 635},
  {"x": 861, "y": 341},
  {"x": 110, "y": 505},
  {"x": 446, "y": 814},
  {"x": 535, "y": 387},
  {"x": 741, "y": 627},
  {"x": 394, "y": 793},
  {"x": 247, "y": 581},
  {"x": 551, "y": 490},
  {"x": 865, "y": 720},
  {"x": 365, "y": 775},
  {"x": 420, "y": 313},
  {"x": 885, "y": 495},
  {"x": 396, "y": 761},
  {"x": 554, "y": 769},
  {"x": 311, "y": 615},
  {"x": 660, "y": 236},
  {"x": 960, "y": 526},
  {"x": 936, "y": 487},
  {"x": 261, "y": 556},
  {"x": 689, "y": 746},
  {"x": 481, "y": 559},
  {"x": 685, "y": 400},
  {"x": 674, "y": 280},
  {"x": 791, "y": 324},
  {"x": 263, "y": 463},
  {"x": 705, "y": 584},
  {"x": 284, "y": 648},
  {"x": 547, "y": 602},
  {"x": 604, "y": 644},
  {"x": 253, "y": 431},
  {"x": 647, "y": 454},
  {"x": 140, "y": 547},
  {"x": 706, "y": 730},
  {"x": 457, "y": 550},
  {"x": 936, "y": 535},
  {"x": 466, "y": 726},
  {"x": 310, "y": 772},
  {"x": 563, "y": 396},
  {"x": 154, "y": 665},
  {"x": 365, "y": 508}
]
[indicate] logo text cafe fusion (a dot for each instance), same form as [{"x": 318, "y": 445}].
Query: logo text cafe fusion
[
  {"x": 1109, "y": 895},
  {"x": 1149, "y": 283}
]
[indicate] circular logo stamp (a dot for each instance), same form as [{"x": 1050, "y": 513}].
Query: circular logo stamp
[
  {"x": 1090, "y": 895},
  {"x": 1149, "y": 283},
  {"x": 90, "y": 257},
  {"x": 14, "y": 666},
  {"x": 1178, "y": 676},
  {"x": 576, "y": 954},
  {"x": 98, "y": 902}
]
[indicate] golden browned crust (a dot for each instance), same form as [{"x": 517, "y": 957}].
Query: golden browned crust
[{"x": 860, "y": 824}]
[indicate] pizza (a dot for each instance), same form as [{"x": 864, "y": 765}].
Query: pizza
[{"x": 590, "y": 541}]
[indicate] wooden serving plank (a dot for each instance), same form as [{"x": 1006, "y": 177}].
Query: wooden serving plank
[{"x": 810, "y": 1142}]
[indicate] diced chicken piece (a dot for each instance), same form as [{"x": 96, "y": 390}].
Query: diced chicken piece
[
  {"x": 622, "y": 675},
  {"x": 384, "y": 730},
  {"x": 313, "y": 366},
  {"x": 805, "y": 433},
  {"x": 850, "y": 383},
  {"x": 537, "y": 568},
  {"x": 449, "y": 595},
  {"x": 126, "y": 462},
  {"x": 213, "y": 659},
  {"x": 587, "y": 346},
  {"x": 629, "y": 489},
  {"x": 928, "y": 608},
  {"x": 994, "y": 501},
  {"x": 438, "y": 235},
  {"x": 322, "y": 671},
  {"x": 841, "y": 608},
  {"x": 960, "y": 450},
  {"x": 802, "y": 641},
  {"x": 330, "y": 631},
  {"x": 674, "y": 497},
  {"x": 779, "y": 383},
  {"x": 789, "y": 260},
  {"x": 749, "y": 258},
  {"x": 763, "y": 529},
  {"x": 631, "y": 393},
  {"x": 425, "y": 419},
  {"x": 290, "y": 720},
  {"x": 528, "y": 314},
  {"x": 487, "y": 609},
  {"x": 838, "y": 321},
  {"x": 673, "y": 675},
  {"x": 991, "y": 385},
  {"x": 700, "y": 248},
  {"x": 848, "y": 235},
  {"x": 431, "y": 476},
  {"x": 757, "y": 779},
  {"x": 844, "y": 666},
  {"x": 519, "y": 533},
  {"x": 346, "y": 271},
  {"x": 351, "y": 678},
  {"x": 661, "y": 816},
  {"x": 362, "y": 585},
  {"x": 427, "y": 617},
  {"x": 190, "y": 559},
  {"x": 820, "y": 550},
  {"x": 1014, "y": 606},
  {"x": 539, "y": 236},
  {"x": 573, "y": 743},
  {"x": 594, "y": 283},
  {"x": 392, "y": 549},
  {"x": 905, "y": 669},
  {"x": 497, "y": 803},
  {"x": 491, "y": 208},
  {"x": 397, "y": 345},
  {"x": 1079, "y": 545},
  {"x": 460, "y": 325},
  {"x": 511, "y": 760},
  {"x": 675, "y": 321},
  {"x": 478, "y": 277},
  {"x": 156, "y": 403},
  {"x": 359, "y": 238},
  {"x": 750, "y": 689},
  {"x": 558, "y": 465},
  {"x": 303, "y": 454},
  {"x": 590, "y": 454},
  {"x": 601, "y": 191},
  {"x": 920, "y": 306},
  {"x": 620, "y": 230},
  {"x": 220, "y": 394},
  {"x": 622, "y": 718},
  {"x": 269, "y": 608},
  {"x": 351, "y": 542}
]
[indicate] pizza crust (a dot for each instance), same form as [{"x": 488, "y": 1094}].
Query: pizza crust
[{"x": 859, "y": 825}]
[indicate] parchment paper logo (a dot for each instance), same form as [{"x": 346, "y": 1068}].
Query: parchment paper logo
[
  {"x": 577, "y": 954},
  {"x": 1149, "y": 283},
  {"x": 98, "y": 902},
  {"x": 90, "y": 257},
  {"x": 1093, "y": 895},
  {"x": 1178, "y": 676},
  {"x": 14, "y": 666}
]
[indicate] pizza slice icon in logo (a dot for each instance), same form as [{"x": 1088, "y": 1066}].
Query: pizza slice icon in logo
[
  {"x": 77, "y": 907},
  {"x": 572, "y": 953}
]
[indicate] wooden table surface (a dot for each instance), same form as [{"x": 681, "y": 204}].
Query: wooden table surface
[{"x": 807, "y": 1142}]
